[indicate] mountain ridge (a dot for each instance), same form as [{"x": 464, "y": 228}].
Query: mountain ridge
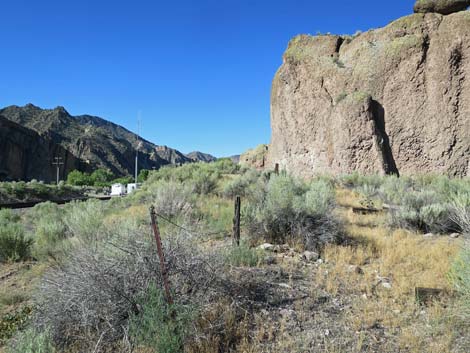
[{"x": 97, "y": 142}]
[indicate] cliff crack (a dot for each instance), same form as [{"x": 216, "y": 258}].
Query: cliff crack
[{"x": 383, "y": 141}]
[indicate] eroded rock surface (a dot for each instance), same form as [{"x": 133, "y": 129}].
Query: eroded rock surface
[
  {"x": 444, "y": 7},
  {"x": 391, "y": 100}
]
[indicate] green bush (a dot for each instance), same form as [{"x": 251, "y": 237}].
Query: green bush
[
  {"x": 159, "y": 326},
  {"x": 170, "y": 198},
  {"x": 31, "y": 341},
  {"x": 14, "y": 244},
  {"x": 460, "y": 278},
  {"x": 288, "y": 209},
  {"x": 78, "y": 178},
  {"x": 241, "y": 185},
  {"x": 101, "y": 177},
  {"x": 48, "y": 237},
  {"x": 84, "y": 219},
  {"x": 243, "y": 255}
]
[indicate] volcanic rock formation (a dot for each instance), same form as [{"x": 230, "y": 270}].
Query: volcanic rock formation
[{"x": 391, "y": 100}]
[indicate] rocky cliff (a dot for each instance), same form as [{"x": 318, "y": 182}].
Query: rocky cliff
[
  {"x": 93, "y": 141},
  {"x": 26, "y": 155},
  {"x": 391, "y": 100}
]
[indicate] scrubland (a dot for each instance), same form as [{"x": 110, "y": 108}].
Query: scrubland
[{"x": 324, "y": 265}]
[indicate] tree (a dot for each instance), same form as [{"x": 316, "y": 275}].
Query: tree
[
  {"x": 78, "y": 178},
  {"x": 143, "y": 175},
  {"x": 102, "y": 177}
]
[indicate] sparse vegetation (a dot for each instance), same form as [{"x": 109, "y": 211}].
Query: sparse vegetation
[{"x": 352, "y": 291}]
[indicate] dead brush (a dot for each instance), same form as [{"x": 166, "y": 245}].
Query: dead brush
[{"x": 95, "y": 291}]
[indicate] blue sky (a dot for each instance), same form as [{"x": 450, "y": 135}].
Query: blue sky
[{"x": 198, "y": 71}]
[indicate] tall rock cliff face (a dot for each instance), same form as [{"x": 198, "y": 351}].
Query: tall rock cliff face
[
  {"x": 391, "y": 100},
  {"x": 26, "y": 155}
]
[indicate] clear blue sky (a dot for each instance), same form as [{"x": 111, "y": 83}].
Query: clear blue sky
[{"x": 199, "y": 71}]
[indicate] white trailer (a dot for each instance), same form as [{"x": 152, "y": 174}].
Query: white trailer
[
  {"x": 118, "y": 189},
  {"x": 131, "y": 187}
]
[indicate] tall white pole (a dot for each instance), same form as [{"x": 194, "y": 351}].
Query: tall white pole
[{"x": 137, "y": 148}]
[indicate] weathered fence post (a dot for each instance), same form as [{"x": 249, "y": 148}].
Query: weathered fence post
[
  {"x": 156, "y": 232},
  {"x": 236, "y": 222}
]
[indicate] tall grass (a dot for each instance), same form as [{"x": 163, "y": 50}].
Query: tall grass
[{"x": 15, "y": 245}]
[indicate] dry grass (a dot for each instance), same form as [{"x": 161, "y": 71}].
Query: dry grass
[{"x": 403, "y": 259}]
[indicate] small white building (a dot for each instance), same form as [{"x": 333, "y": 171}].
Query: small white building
[
  {"x": 131, "y": 187},
  {"x": 118, "y": 189}
]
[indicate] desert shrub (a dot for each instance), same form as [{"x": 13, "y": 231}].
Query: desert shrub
[
  {"x": 243, "y": 255},
  {"x": 292, "y": 210},
  {"x": 460, "y": 211},
  {"x": 214, "y": 215},
  {"x": 104, "y": 282},
  {"x": 460, "y": 278},
  {"x": 44, "y": 211},
  {"x": 31, "y": 341},
  {"x": 14, "y": 244},
  {"x": 84, "y": 219},
  {"x": 8, "y": 216},
  {"x": 421, "y": 210},
  {"x": 48, "y": 237},
  {"x": 356, "y": 180},
  {"x": 39, "y": 189},
  {"x": 170, "y": 198},
  {"x": 204, "y": 181},
  {"x": 159, "y": 326},
  {"x": 241, "y": 184}
]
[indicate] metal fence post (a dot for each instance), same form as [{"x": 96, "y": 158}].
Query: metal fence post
[{"x": 156, "y": 232}]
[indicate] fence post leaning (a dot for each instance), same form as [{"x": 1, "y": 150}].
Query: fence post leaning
[
  {"x": 158, "y": 240},
  {"x": 236, "y": 222}
]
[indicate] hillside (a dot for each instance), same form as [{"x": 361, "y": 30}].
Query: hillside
[
  {"x": 201, "y": 157},
  {"x": 92, "y": 141},
  {"x": 26, "y": 155},
  {"x": 390, "y": 100}
]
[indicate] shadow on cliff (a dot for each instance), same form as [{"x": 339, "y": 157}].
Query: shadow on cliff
[{"x": 378, "y": 113}]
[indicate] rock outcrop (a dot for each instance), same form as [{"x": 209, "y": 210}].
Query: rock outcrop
[
  {"x": 444, "y": 7},
  {"x": 96, "y": 142},
  {"x": 391, "y": 100},
  {"x": 255, "y": 158},
  {"x": 26, "y": 155}
]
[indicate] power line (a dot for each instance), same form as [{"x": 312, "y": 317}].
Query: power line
[{"x": 58, "y": 162}]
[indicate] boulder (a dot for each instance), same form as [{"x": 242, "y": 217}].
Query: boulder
[{"x": 444, "y": 7}]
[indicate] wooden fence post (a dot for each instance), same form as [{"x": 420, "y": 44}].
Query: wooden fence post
[
  {"x": 156, "y": 232},
  {"x": 276, "y": 169},
  {"x": 236, "y": 222}
]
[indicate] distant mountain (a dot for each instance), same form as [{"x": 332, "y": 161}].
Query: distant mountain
[
  {"x": 201, "y": 157},
  {"x": 94, "y": 142}
]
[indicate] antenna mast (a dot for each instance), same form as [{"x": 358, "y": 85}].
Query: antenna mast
[{"x": 139, "y": 123}]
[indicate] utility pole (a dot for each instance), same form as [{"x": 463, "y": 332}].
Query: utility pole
[
  {"x": 139, "y": 121},
  {"x": 58, "y": 162}
]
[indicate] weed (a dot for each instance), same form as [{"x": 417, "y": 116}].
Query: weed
[{"x": 243, "y": 255}]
